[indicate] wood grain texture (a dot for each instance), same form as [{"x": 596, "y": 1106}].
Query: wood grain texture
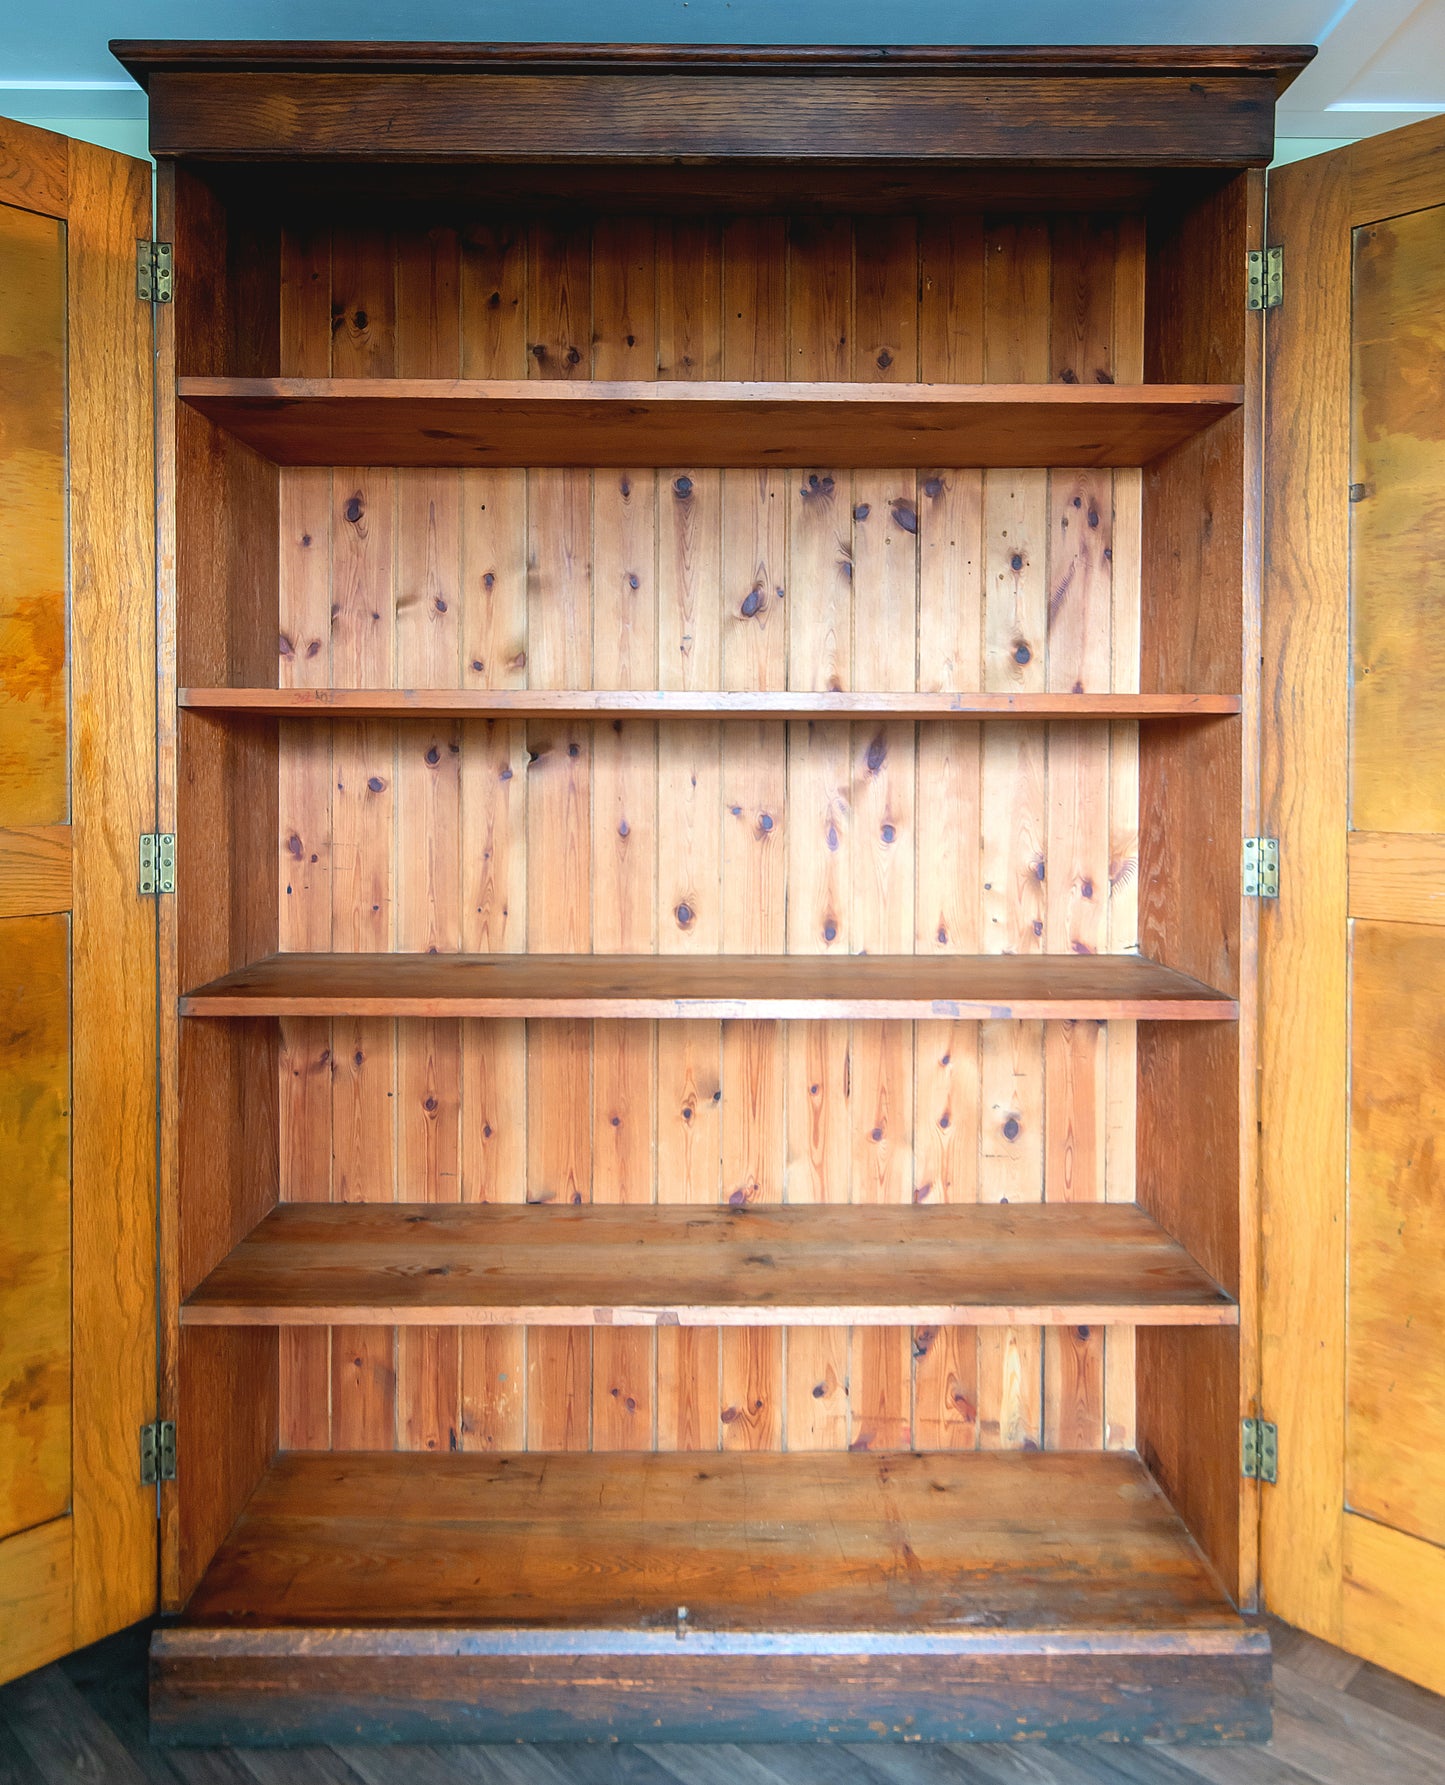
[
  {"x": 690, "y": 585},
  {"x": 36, "y": 1597},
  {"x": 645, "y": 1265},
  {"x": 304, "y": 812},
  {"x": 220, "y": 794},
  {"x": 976, "y": 1596},
  {"x": 1303, "y": 959},
  {"x": 680, "y": 580},
  {"x": 34, "y": 720},
  {"x": 35, "y": 870},
  {"x": 1130, "y": 277},
  {"x": 428, "y": 792},
  {"x": 1017, "y": 332},
  {"x": 949, "y": 819},
  {"x": 1395, "y": 1340},
  {"x": 1397, "y": 876},
  {"x": 34, "y": 169},
  {"x": 625, "y": 626},
  {"x": 1197, "y": 509},
  {"x": 35, "y": 1244},
  {"x": 410, "y": 421},
  {"x": 1397, "y": 503},
  {"x": 740, "y": 704},
  {"x": 1086, "y": 265},
  {"x": 1344, "y": 1577},
  {"x": 760, "y": 987},
  {"x": 113, "y": 935},
  {"x": 1065, "y": 1544},
  {"x": 1206, "y": 118},
  {"x": 1393, "y": 1591},
  {"x": 1402, "y": 175},
  {"x": 168, "y": 1023},
  {"x": 224, "y": 1688},
  {"x": 143, "y": 57}
]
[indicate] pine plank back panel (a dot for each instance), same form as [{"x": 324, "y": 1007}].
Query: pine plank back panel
[{"x": 696, "y": 837}]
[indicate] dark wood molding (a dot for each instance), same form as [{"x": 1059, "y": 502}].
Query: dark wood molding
[
  {"x": 505, "y": 118},
  {"x": 498, "y": 104},
  {"x": 143, "y": 57}
]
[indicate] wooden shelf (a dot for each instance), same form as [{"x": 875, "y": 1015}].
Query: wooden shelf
[
  {"x": 437, "y": 421},
  {"x": 588, "y": 703},
  {"x": 968, "y": 1264},
  {"x": 916, "y": 987},
  {"x": 500, "y": 1596}
]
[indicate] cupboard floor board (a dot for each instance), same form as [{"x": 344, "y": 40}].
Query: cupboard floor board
[
  {"x": 965, "y": 1264},
  {"x": 758, "y": 987},
  {"x": 941, "y": 1550}
]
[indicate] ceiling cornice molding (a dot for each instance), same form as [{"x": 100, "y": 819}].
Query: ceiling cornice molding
[{"x": 142, "y": 58}]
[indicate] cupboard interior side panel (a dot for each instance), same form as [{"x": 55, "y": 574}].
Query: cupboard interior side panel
[{"x": 705, "y": 837}]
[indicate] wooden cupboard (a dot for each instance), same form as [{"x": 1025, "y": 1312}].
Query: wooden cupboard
[{"x": 709, "y": 641}]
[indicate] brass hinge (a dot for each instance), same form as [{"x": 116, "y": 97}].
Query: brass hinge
[
  {"x": 157, "y": 863},
  {"x": 158, "y": 1452},
  {"x": 1264, "y": 278},
  {"x": 1260, "y": 867},
  {"x": 154, "y": 272},
  {"x": 1259, "y": 1450}
]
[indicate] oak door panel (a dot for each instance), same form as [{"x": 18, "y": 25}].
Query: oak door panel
[
  {"x": 77, "y": 941},
  {"x": 1351, "y": 961}
]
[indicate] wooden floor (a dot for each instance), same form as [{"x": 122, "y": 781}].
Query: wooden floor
[{"x": 1337, "y": 1722}]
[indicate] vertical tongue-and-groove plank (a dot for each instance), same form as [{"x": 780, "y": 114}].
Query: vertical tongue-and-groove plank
[
  {"x": 689, "y": 802},
  {"x": 882, "y": 787},
  {"x": 428, "y": 816},
  {"x": 820, "y": 631},
  {"x": 304, "y": 802},
  {"x": 754, "y": 601},
  {"x": 493, "y": 307},
  {"x": 1011, "y": 1166},
  {"x": 946, "y": 907},
  {"x": 1080, "y": 586},
  {"x": 624, "y": 807},
  {"x": 559, "y": 811},
  {"x": 363, "y": 281}
]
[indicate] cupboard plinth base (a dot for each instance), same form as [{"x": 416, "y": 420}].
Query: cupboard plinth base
[{"x": 288, "y": 1686}]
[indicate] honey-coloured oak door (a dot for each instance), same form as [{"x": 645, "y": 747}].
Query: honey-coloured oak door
[
  {"x": 77, "y": 941},
  {"x": 1353, "y": 958}
]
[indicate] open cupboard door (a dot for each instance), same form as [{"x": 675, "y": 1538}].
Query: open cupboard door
[
  {"x": 1353, "y": 959},
  {"x": 77, "y": 938}
]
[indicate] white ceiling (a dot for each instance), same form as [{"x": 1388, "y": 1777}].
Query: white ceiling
[{"x": 1381, "y": 62}]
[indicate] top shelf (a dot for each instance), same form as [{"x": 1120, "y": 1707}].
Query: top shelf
[{"x": 440, "y": 421}]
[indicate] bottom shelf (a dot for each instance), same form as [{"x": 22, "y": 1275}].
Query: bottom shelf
[{"x": 715, "y": 1597}]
